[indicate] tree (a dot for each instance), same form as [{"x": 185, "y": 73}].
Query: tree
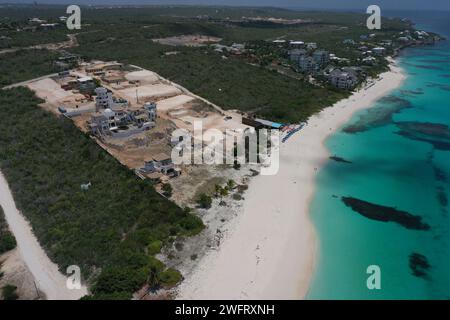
[
  {"x": 231, "y": 184},
  {"x": 204, "y": 201},
  {"x": 7, "y": 242},
  {"x": 217, "y": 189},
  {"x": 224, "y": 192},
  {"x": 9, "y": 292},
  {"x": 154, "y": 247},
  {"x": 170, "y": 277},
  {"x": 167, "y": 190},
  {"x": 7, "y": 239},
  {"x": 187, "y": 211},
  {"x": 119, "y": 279}
]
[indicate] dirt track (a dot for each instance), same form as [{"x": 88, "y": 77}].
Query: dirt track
[{"x": 48, "y": 278}]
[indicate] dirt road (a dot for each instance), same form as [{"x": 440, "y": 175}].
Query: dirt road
[{"x": 48, "y": 278}]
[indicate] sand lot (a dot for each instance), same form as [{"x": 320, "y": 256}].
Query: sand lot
[
  {"x": 188, "y": 40},
  {"x": 212, "y": 121},
  {"x": 54, "y": 96},
  {"x": 51, "y": 91},
  {"x": 15, "y": 272},
  {"x": 174, "y": 102},
  {"x": 149, "y": 92},
  {"x": 143, "y": 76}
]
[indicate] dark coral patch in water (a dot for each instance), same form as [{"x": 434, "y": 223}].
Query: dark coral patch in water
[
  {"x": 435, "y": 60},
  {"x": 439, "y": 174},
  {"x": 385, "y": 214},
  {"x": 379, "y": 116},
  {"x": 423, "y": 66},
  {"x": 396, "y": 101},
  {"x": 339, "y": 159},
  {"x": 442, "y": 198},
  {"x": 436, "y": 134},
  {"x": 441, "y": 86},
  {"x": 412, "y": 92},
  {"x": 419, "y": 265}
]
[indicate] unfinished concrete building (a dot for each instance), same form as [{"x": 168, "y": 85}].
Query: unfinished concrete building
[
  {"x": 104, "y": 99},
  {"x": 161, "y": 163},
  {"x": 118, "y": 119},
  {"x": 151, "y": 109}
]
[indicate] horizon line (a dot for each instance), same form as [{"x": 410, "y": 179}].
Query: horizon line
[{"x": 290, "y": 8}]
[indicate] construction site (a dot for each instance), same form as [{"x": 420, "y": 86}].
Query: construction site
[{"x": 131, "y": 113}]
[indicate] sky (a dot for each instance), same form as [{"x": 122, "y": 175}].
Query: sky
[{"x": 301, "y": 4}]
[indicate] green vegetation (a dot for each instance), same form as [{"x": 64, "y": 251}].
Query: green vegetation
[
  {"x": 167, "y": 190},
  {"x": 224, "y": 192},
  {"x": 232, "y": 83},
  {"x": 25, "y": 65},
  {"x": 160, "y": 276},
  {"x": 154, "y": 247},
  {"x": 7, "y": 239},
  {"x": 204, "y": 201},
  {"x": 231, "y": 184},
  {"x": 14, "y": 18},
  {"x": 125, "y": 34},
  {"x": 217, "y": 189},
  {"x": 170, "y": 277},
  {"x": 109, "y": 227},
  {"x": 120, "y": 281},
  {"x": 9, "y": 292},
  {"x": 26, "y": 38}
]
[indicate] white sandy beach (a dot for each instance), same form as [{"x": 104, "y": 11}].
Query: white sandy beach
[
  {"x": 269, "y": 251},
  {"x": 46, "y": 274}
]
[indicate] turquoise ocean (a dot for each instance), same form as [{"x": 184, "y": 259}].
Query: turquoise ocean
[{"x": 393, "y": 155}]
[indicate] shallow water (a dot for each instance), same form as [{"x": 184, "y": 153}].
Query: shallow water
[{"x": 398, "y": 155}]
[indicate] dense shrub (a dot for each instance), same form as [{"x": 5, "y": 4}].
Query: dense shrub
[
  {"x": 167, "y": 190},
  {"x": 170, "y": 277},
  {"x": 7, "y": 239},
  {"x": 25, "y": 65},
  {"x": 154, "y": 247},
  {"x": 204, "y": 201},
  {"x": 9, "y": 292}
]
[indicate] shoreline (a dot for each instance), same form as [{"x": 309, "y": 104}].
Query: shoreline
[
  {"x": 47, "y": 276},
  {"x": 270, "y": 250}
]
